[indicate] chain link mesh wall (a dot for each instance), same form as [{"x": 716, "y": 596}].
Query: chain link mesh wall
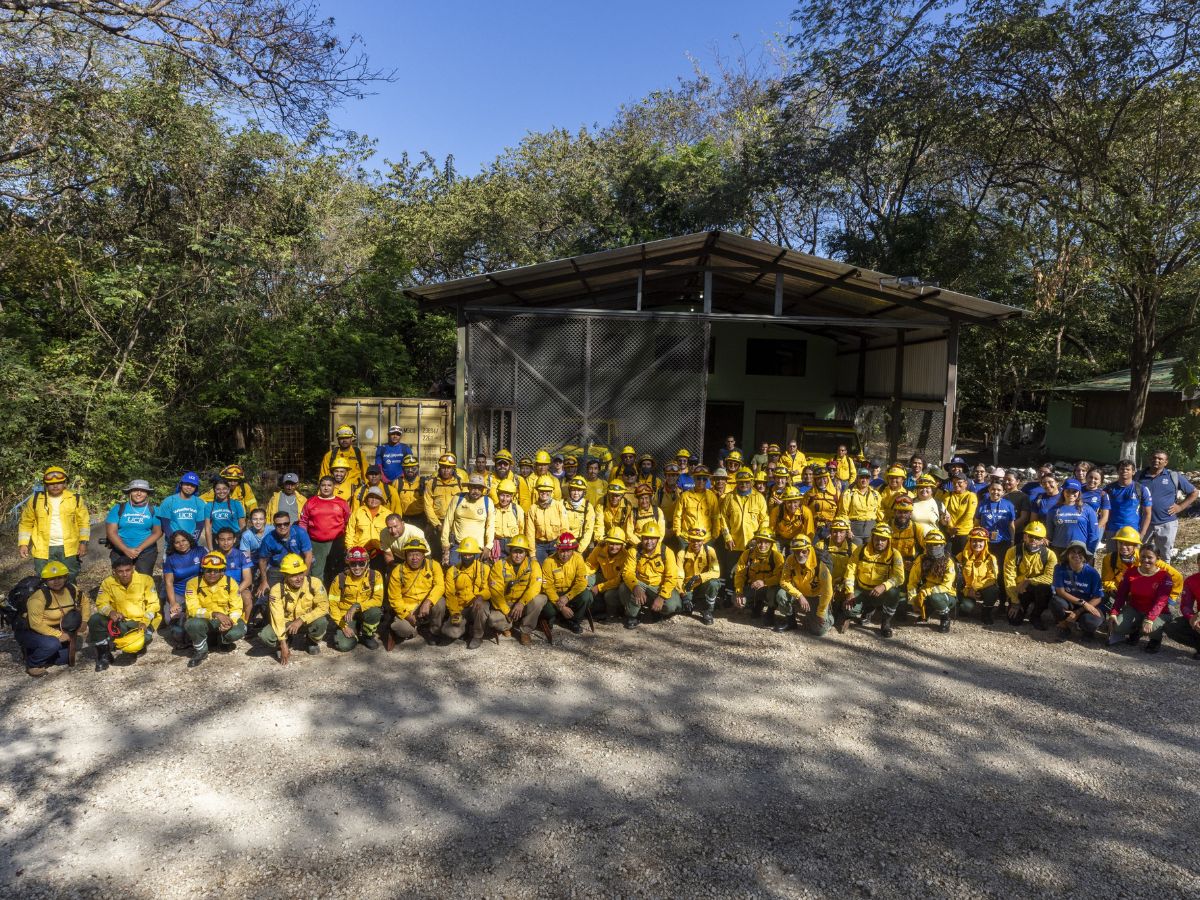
[
  {"x": 579, "y": 381},
  {"x": 920, "y": 431}
]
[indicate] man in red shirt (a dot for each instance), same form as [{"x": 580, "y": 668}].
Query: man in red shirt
[
  {"x": 1185, "y": 628},
  {"x": 324, "y": 518}
]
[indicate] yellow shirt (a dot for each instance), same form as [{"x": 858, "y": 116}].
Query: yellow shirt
[
  {"x": 741, "y": 516},
  {"x": 45, "y": 613},
  {"x": 409, "y": 588},
  {"x": 609, "y": 569},
  {"x": 509, "y": 585},
  {"x": 861, "y": 506},
  {"x": 655, "y": 570},
  {"x": 787, "y": 525},
  {"x": 205, "y": 601},
  {"x": 581, "y": 521},
  {"x": 702, "y": 567},
  {"x": 979, "y": 572},
  {"x": 921, "y": 588},
  {"x": 138, "y": 602},
  {"x": 467, "y": 518},
  {"x": 464, "y": 584},
  {"x": 696, "y": 509},
  {"x": 509, "y": 521},
  {"x": 596, "y": 489},
  {"x": 809, "y": 579},
  {"x": 564, "y": 580},
  {"x": 38, "y": 521},
  {"x": 363, "y": 529},
  {"x": 823, "y": 505},
  {"x": 548, "y": 522},
  {"x": 961, "y": 508},
  {"x": 1029, "y": 566},
  {"x": 410, "y": 496},
  {"x": 795, "y": 462},
  {"x": 439, "y": 494},
  {"x": 752, "y": 567},
  {"x": 307, "y": 603},
  {"x": 868, "y": 569},
  {"x": 366, "y": 590}
]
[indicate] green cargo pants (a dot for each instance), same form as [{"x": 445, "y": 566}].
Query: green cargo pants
[
  {"x": 314, "y": 631},
  {"x": 366, "y": 623},
  {"x": 670, "y": 607},
  {"x": 201, "y": 630}
]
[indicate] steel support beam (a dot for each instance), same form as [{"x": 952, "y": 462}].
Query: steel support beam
[
  {"x": 897, "y": 399},
  {"x": 951, "y": 407}
]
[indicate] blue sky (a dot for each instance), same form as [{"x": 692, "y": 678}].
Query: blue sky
[{"x": 473, "y": 77}]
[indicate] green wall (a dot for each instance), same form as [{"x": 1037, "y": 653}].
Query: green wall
[
  {"x": 729, "y": 382},
  {"x": 1068, "y": 443}
]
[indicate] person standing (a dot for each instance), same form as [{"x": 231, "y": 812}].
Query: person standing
[
  {"x": 1130, "y": 503},
  {"x": 132, "y": 528},
  {"x": 743, "y": 513},
  {"x": 223, "y": 512},
  {"x": 861, "y": 506},
  {"x": 287, "y": 499},
  {"x": 184, "y": 510},
  {"x": 324, "y": 521},
  {"x": 998, "y": 517},
  {"x": 1165, "y": 486},
  {"x": 1071, "y": 520},
  {"x": 55, "y": 525},
  {"x": 345, "y": 448},
  {"x": 1097, "y": 498},
  {"x": 284, "y": 540},
  {"x": 469, "y": 515},
  {"x": 390, "y": 456}
]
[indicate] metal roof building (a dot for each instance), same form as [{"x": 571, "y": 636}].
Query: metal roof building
[{"x": 674, "y": 343}]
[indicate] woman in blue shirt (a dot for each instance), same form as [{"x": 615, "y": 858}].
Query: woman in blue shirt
[
  {"x": 132, "y": 529},
  {"x": 1077, "y": 593},
  {"x": 223, "y": 512},
  {"x": 997, "y": 515},
  {"x": 1049, "y": 497},
  {"x": 184, "y": 510},
  {"x": 1096, "y": 497},
  {"x": 181, "y": 564},
  {"x": 1072, "y": 520}
]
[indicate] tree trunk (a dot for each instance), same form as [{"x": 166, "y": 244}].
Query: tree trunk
[{"x": 1141, "y": 361}]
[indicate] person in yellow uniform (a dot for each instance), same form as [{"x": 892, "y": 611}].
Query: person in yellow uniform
[
  {"x": 508, "y": 519},
  {"x": 720, "y": 485},
  {"x": 55, "y": 525},
  {"x": 794, "y": 459},
  {"x": 732, "y": 463},
  {"x": 1126, "y": 555},
  {"x": 822, "y": 501},
  {"x": 742, "y": 514},
  {"x": 699, "y": 576},
  {"x": 626, "y": 462},
  {"x": 790, "y": 519},
  {"x": 1029, "y": 576},
  {"x": 368, "y": 522},
  {"x": 840, "y": 548},
  {"x": 416, "y": 593},
  {"x": 440, "y": 492},
  {"x": 697, "y": 508},
  {"x": 346, "y": 448},
  {"x": 214, "y": 609},
  {"x": 541, "y": 469},
  {"x": 502, "y": 470},
  {"x": 298, "y": 609},
  {"x": 356, "y": 603},
  {"x": 668, "y": 496},
  {"x": 343, "y": 485},
  {"x": 646, "y": 473},
  {"x": 469, "y": 515},
  {"x": 469, "y": 606},
  {"x": 650, "y": 578},
  {"x": 805, "y": 589},
  {"x": 644, "y": 510},
  {"x": 931, "y": 582},
  {"x": 980, "y": 575},
  {"x": 961, "y": 505},
  {"x": 907, "y": 535},
  {"x": 581, "y": 515},
  {"x": 756, "y": 576},
  {"x": 565, "y": 583},
  {"x": 843, "y": 467},
  {"x": 861, "y": 505},
  {"x": 410, "y": 493},
  {"x": 547, "y": 518},
  {"x": 515, "y": 583},
  {"x": 607, "y": 564},
  {"x": 53, "y": 614},
  {"x": 893, "y": 490},
  {"x": 874, "y": 579},
  {"x": 781, "y": 480},
  {"x": 374, "y": 480},
  {"x": 597, "y": 484},
  {"x": 239, "y": 490},
  {"x": 128, "y": 610},
  {"x": 760, "y": 485},
  {"x": 615, "y": 513}
]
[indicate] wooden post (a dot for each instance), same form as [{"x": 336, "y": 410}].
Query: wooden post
[
  {"x": 708, "y": 290},
  {"x": 897, "y": 399},
  {"x": 779, "y": 293},
  {"x": 641, "y": 279},
  {"x": 860, "y": 385},
  {"x": 460, "y": 387},
  {"x": 951, "y": 408}
]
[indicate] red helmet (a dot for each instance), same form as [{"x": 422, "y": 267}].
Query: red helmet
[
  {"x": 357, "y": 555},
  {"x": 566, "y": 541}
]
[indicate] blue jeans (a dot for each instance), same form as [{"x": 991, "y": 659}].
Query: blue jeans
[{"x": 41, "y": 651}]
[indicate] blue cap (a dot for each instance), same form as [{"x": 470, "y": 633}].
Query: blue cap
[
  {"x": 1072, "y": 484},
  {"x": 190, "y": 478}
]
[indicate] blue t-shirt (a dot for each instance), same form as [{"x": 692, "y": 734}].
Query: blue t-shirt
[
  {"x": 235, "y": 561},
  {"x": 686, "y": 482},
  {"x": 997, "y": 517},
  {"x": 179, "y": 513},
  {"x": 134, "y": 523},
  {"x": 390, "y": 458},
  {"x": 1069, "y": 523},
  {"x": 1084, "y": 584},
  {"x": 1162, "y": 493},
  {"x": 184, "y": 567},
  {"x": 225, "y": 514},
  {"x": 273, "y": 550},
  {"x": 1043, "y": 503},
  {"x": 1127, "y": 502},
  {"x": 1032, "y": 490},
  {"x": 1097, "y": 500}
]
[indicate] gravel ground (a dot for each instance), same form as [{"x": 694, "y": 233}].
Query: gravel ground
[{"x": 676, "y": 760}]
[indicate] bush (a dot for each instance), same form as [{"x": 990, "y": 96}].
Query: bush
[{"x": 1180, "y": 437}]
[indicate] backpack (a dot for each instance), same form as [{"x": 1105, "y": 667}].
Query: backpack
[
  {"x": 1141, "y": 479},
  {"x": 15, "y": 608},
  {"x": 1043, "y": 553},
  {"x": 342, "y": 582}
]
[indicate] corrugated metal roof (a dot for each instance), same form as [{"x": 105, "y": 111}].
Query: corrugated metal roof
[
  {"x": 1161, "y": 379},
  {"x": 743, "y": 270}
]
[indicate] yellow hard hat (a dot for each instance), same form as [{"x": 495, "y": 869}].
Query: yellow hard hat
[
  {"x": 507, "y": 486},
  {"x": 792, "y": 493},
  {"x": 840, "y": 524},
  {"x": 340, "y": 463},
  {"x": 447, "y": 459},
  {"x": 744, "y": 475},
  {"x": 577, "y": 483},
  {"x": 503, "y": 455},
  {"x": 55, "y": 569},
  {"x": 213, "y": 561},
  {"x": 293, "y": 564},
  {"x": 801, "y": 542},
  {"x": 616, "y": 535},
  {"x": 896, "y": 472},
  {"x": 468, "y": 546},
  {"x": 1127, "y": 535},
  {"x": 345, "y": 431},
  {"x": 544, "y": 483},
  {"x": 233, "y": 472},
  {"x": 628, "y": 451},
  {"x": 882, "y": 530},
  {"x": 934, "y": 538},
  {"x": 764, "y": 534},
  {"x": 415, "y": 543},
  {"x": 1035, "y": 529},
  {"x": 54, "y": 475},
  {"x": 683, "y": 454},
  {"x": 520, "y": 542},
  {"x": 132, "y": 641},
  {"x": 616, "y": 489},
  {"x": 541, "y": 458},
  {"x": 650, "y": 530},
  {"x": 927, "y": 481},
  {"x": 734, "y": 455},
  {"x": 697, "y": 534}
]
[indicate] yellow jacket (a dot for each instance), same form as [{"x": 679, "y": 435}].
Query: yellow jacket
[
  {"x": 439, "y": 495},
  {"x": 469, "y": 519},
  {"x": 868, "y": 569},
  {"x": 609, "y": 569},
  {"x": 978, "y": 572},
  {"x": 353, "y": 455},
  {"x": 564, "y": 580},
  {"x": 205, "y": 601},
  {"x": 751, "y": 567},
  {"x": 741, "y": 516},
  {"x": 810, "y": 580},
  {"x": 639, "y": 517},
  {"x": 655, "y": 570},
  {"x": 823, "y": 504},
  {"x": 920, "y": 589},
  {"x": 366, "y": 590},
  {"x": 841, "y": 562},
  {"x": 581, "y": 521},
  {"x": 787, "y": 526},
  {"x": 509, "y": 585},
  {"x": 795, "y": 462},
  {"x": 307, "y": 603},
  {"x": 139, "y": 602},
  {"x": 846, "y": 467},
  {"x": 530, "y": 486},
  {"x": 1027, "y": 566},
  {"x": 363, "y": 529},
  {"x": 596, "y": 489},
  {"x": 858, "y": 506},
  {"x": 614, "y": 517},
  {"x": 410, "y": 496},
  {"x": 273, "y": 505},
  {"x": 667, "y": 500},
  {"x": 344, "y": 489},
  {"x": 909, "y": 541},
  {"x": 696, "y": 509},
  {"x": 45, "y": 609},
  {"x": 702, "y": 567},
  {"x": 409, "y": 588},
  {"x": 547, "y": 523},
  {"x": 888, "y": 498},
  {"x": 242, "y": 493},
  {"x": 34, "y": 527},
  {"x": 359, "y": 496},
  {"x": 509, "y": 521},
  {"x": 962, "y": 511},
  {"x": 1112, "y": 570},
  {"x": 464, "y": 584}
]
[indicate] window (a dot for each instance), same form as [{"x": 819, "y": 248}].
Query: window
[{"x": 766, "y": 356}]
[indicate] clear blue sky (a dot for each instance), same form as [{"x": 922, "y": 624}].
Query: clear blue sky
[{"x": 473, "y": 77}]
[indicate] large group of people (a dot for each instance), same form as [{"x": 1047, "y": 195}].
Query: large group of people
[{"x": 380, "y": 554}]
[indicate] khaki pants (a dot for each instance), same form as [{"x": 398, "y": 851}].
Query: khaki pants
[
  {"x": 476, "y": 616},
  {"x": 530, "y": 615},
  {"x": 403, "y": 629}
]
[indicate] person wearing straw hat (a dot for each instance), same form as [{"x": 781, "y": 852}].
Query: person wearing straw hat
[{"x": 132, "y": 528}]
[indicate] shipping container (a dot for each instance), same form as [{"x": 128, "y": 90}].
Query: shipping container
[{"x": 428, "y": 424}]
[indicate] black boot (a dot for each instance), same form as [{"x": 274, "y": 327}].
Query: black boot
[
  {"x": 104, "y": 658},
  {"x": 1153, "y": 644},
  {"x": 989, "y": 615},
  {"x": 786, "y": 625},
  {"x": 885, "y": 627},
  {"x": 687, "y": 606},
  {"x": 944, "y": 624},
  {"x": 197, "y": 658},
  {"x": 707, "y": 618}
]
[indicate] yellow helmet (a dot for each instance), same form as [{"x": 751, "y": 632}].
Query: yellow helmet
[
  {"x": 415, "y": 543},
  {"x": 650, "y": 530},
  {"x": 132, "y": 641},
  {"x": 744, "y": 475},
  {"x": 234, "y": 472},
  {"x": 801, "y": 542},
  {"x": 520, "y": 542},
  {"x": 577, "y": 483},
  {"x": 616, "y": 489},
  {"x": 340, "y": 463},
  {"x": 628, "y": 451},
  {"x": 541, "y": 458},
  {"x": 545, "y": 483},
  {"x": 447, "y": 459},
  {"x": 882, "y": 530},
  {"x": 697, "y": 534},
  {"x": 1035, "y": 529},
  {"x": 292, "y": 564},
  {"x": 764, "y": 534},
  {"x": 934, "y": 538},
  {"x": 507, "y": 486},
  {"x": 840, "y": 524},
  {"x": 54, "y": 475},
  {"x": 792, "y": 493},
  {"x": 927, "y": 481},
  {"x": 616, "y": 535},
  {"x": 345, "y": 431},
  {"x": 55, "y": 569},
  {"x": 503, "y": 455},
  {"x": 468, "y": 546},
  {"x": 213, "y": 561},
  {"x": 1127, "y": 535},
  {"x": 896, "y": 472}
]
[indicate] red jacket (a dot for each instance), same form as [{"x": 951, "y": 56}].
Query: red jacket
[
  {"x": 1148, "y": 594},
  {"x": 325, "y": 520},
  {"x": 1191, "y": 597}
]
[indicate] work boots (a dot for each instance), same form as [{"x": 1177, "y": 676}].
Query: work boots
[
  {"x": 104, "y": 657},
  {"x": 885, "y": 627},
  {"x": 944, "y": 624},
  {"x": 989, "y": 615}
]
